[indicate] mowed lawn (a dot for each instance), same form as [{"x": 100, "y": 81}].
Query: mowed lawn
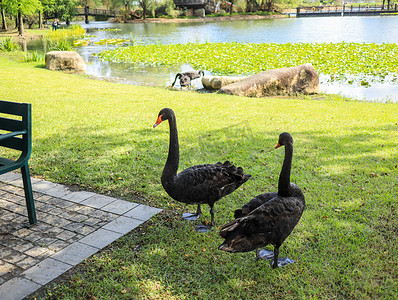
[{"x": 98, "y": 136}]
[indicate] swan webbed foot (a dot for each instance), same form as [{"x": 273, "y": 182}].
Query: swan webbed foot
[
  {"x": 203, "y": 228},
  {"x": 264, "y": 254},
  {"x": 284, "y": 261},
  {"x": 190, "y": 216}
]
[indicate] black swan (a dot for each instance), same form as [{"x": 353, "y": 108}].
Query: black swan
[
  {"x": 186, "y": 77},
  {"x": 199, "y": 184},
  {"x": 268, "y": 218}
]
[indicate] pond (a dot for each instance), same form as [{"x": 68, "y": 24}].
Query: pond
[{"x": 379, "y": 29}]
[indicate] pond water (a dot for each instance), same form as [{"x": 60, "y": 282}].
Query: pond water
[{"x": 379, "y": 29}]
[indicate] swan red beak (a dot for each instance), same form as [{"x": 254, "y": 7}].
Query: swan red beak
[
  {"x": 277, "y": 145},
  {"x": 158, "y": 121}
]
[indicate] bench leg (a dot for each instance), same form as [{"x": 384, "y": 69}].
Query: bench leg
[{"x": 27, "y": 186}]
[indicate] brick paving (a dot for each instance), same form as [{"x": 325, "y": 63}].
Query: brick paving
[{"x": 71, "y": 227}]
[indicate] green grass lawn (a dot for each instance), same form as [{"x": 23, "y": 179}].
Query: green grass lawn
[{"x": 98, "y": 136}]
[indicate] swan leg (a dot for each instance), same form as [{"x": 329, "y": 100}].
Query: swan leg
[
  {"x": 191, "y": 216},
  {"x": 276, "y": 254},
  {"x": 198, "y": 210},
  {"x": 280, "y": 262},
  {"x": 258, "y": 254},
  {"x": 212, "y": 215},
  {"x": 205, "y": 228}
]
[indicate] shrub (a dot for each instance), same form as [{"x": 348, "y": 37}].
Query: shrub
[
  {"x": 62, "y": 45},
  {"x": 33, "y": 57},
  {"x": 9, "y": 45},
  {"x": 61, "y": 40}
]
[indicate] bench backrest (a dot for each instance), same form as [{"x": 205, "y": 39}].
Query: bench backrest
[{"x": 18, "y": 118}]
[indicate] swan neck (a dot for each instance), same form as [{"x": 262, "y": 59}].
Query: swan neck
[
  {"x": 171, "y": 167},
  {"x": 284, "y": 177}
]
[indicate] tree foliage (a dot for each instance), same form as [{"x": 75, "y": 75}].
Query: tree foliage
[
  {"x": 26, "y": 7},
  {"x": 62, "y": 9}
]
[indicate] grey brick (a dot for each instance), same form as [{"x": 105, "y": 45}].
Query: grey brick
[
  {"x": 46, "y": 271},
  {"x": 78, "y": 197},
  {"x": 100, "y": 238},
  {"x": 123, "y": 225},
  {"x": 142, "y": 212},
  {"x": 98, "y": 201},
  {"x": 119, "y": 207},
  {"x": 75, "y": 253},
  {"x": 17, "y": 288}
]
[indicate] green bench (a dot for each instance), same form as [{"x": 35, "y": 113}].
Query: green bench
[{"x": 16, "y": 133}]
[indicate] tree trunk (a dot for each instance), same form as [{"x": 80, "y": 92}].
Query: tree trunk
[
  {"x": 20, "y": 23},
  {"x": 41, "y": 20},
  {"x": 126, "y": 12},
  {"x": 3, "y": 18}
]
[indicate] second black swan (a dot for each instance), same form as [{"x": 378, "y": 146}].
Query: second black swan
[
  {"x": 187, "y": 77},
  {"x": 268, "y": 218},
  {"x": 201, "y": 184}
]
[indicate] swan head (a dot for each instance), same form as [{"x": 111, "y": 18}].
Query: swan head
[
  {"x": 284, "y": 138},
  {"x": 164, "y": 114},
  {"x": 185, "y": 80}
]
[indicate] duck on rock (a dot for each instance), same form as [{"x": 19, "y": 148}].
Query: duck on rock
[
  {"x": 268, "y": 218},
  {"x": 201, "y": 184}
]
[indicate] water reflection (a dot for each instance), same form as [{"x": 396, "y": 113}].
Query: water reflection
[
  {"x": 148, "y": 75},
  {"x": 286, "y": 30}
]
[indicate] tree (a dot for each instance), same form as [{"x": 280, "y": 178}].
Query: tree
[
  {"x": 21, "y": 8},
  {"x": 65, "y": 9},
  {"x": 91, "y": 3},
  {"x": 145, "y": 4},
  {"x": 3, "y": 16},
  {"x": 61, "y": 9},
  {"x": 48, "y": 7}
]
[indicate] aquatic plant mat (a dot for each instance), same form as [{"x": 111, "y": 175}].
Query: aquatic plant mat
[
  {"x": 98, "y": 136},
  {"x": 337, "y": 61}
]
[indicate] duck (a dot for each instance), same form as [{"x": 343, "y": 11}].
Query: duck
[
  {"x": 268, "y": 218},
  {"x": 186, "y": 77},
  {"x": 200, "y": 184}
]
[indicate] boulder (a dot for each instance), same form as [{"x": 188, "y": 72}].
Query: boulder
[
  {"x": 285, "y": 81},
  {"x": 65, "y": 60},
  {"x": 217, "y": 82}
]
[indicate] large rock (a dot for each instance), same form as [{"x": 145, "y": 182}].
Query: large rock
[
  {"x": 65, "y": 60},
  {"x": 285, "y": 81},
  {"x": 217, "y": 82}
]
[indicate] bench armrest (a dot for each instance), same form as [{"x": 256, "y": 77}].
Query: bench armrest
[{"x": 11, "y": 134}]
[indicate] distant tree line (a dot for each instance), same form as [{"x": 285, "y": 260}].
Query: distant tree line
[{"x": 35, "y": 12}]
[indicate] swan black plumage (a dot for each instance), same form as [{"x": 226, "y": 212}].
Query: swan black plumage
[
  {"x": 201, "y": 184},
  {"x": 268, "y": 218},
  {"x": 186, "y": 77}
]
